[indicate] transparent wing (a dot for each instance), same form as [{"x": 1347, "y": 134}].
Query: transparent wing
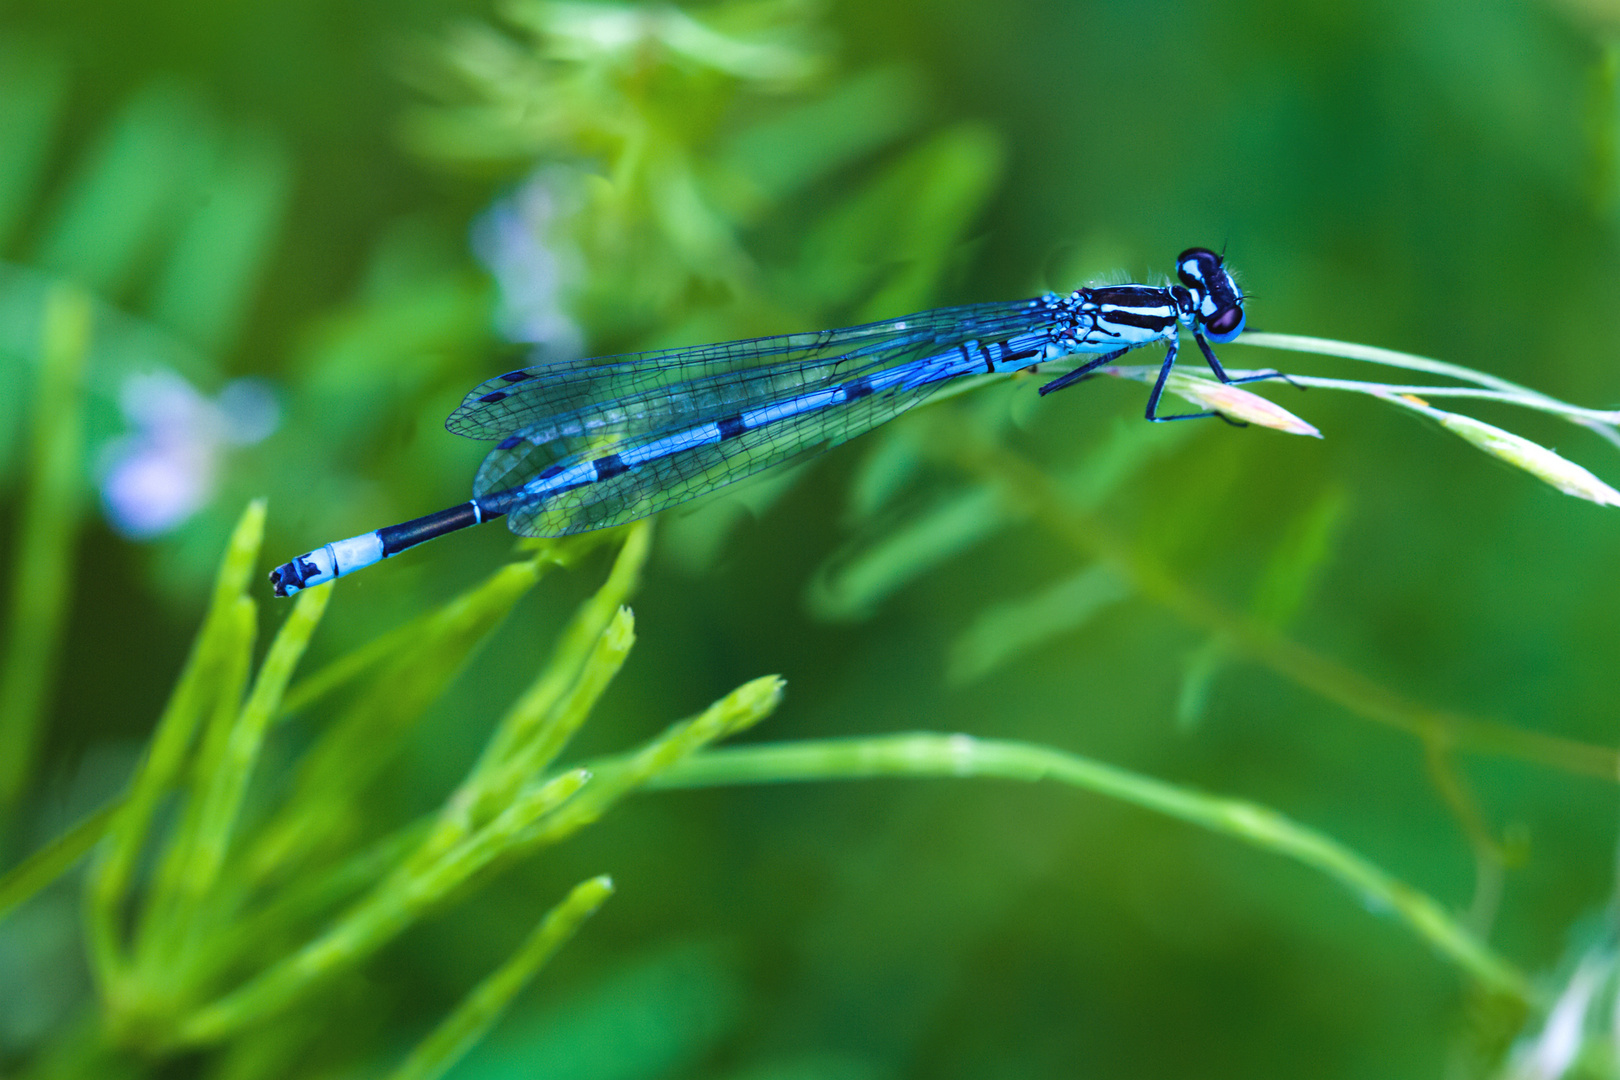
[
  {"x": 619, "y": 423},
  {"x": 632, "y": 392},
  {"x": 668, "y": 481}
]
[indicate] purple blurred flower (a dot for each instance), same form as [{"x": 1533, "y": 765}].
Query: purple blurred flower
[
  {"x": 167, "y": 469},
  {"x": 513, "y": 240}
]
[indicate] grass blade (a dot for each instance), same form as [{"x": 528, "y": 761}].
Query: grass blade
[
  {"x": 193, "y": 693},
  {"x": 377, "y": 919},
  {"x": 222, "y": 799},
  {"x": 462, "y": 1029},
  {"x": 50, "y": 520},
  {"x": 333, "y": 775},
  {"x": 1006, "y": 630},
  {"x": 53, "y": 860}
]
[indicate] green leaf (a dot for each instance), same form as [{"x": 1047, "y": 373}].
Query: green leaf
[
  {"x": 225, "y": 766},
  {"x": 851, "y": 585},
  {"x": 888, "y": 245},
  {"x": 396, "y": 903},
  {"x": 1007, "y": 630},
  {"x": 204, "y": 285},
  {"x": 736, "y": 712},
  {"x": 1289, "y": 576},
  {"x": 863, "y": 113},
  {"x": 333, "y": 776}
]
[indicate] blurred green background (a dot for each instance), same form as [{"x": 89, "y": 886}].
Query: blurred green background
[{"x": 308, "y": 228}]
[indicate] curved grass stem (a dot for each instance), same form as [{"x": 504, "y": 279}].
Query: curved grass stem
[
  {"x": 930, "y": 754},
  {"x": 1319, "y": 674},
  {"x": 1605, "y": 422}
]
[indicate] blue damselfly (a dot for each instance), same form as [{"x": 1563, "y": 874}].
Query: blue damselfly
[{"x": 597, "y": 442}]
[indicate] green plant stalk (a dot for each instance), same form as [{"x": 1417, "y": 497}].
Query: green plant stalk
[
  {"x": 1490, "y": 853},
  {"x": 534, "y": 819},
  {"x": 562, "y": 552},
  {"x": 1598, "y": 420},
  {"x": 1537, "y": 402},
  {"x": 462, "y": 1029},
  {"x": 54, "y": 859},
  {"x": 737, "y": 711},
  {"x": 1278, "y": 594},
  {"x": 569, "y": 656},
  {"x": 165, "y": 922},
  {"x": 1528, "y": 399},
  {"x": 928, "y": 754},
  {"x": 227, "y": 786},
  {"x": 223, "y": 770},
  {"x": 374, "y": 921},
  {"x": 1545, "y": 465},
  {"x": 548, "y": 738},
  {"x": 492, "y": 785},
  {"x": 617, "y": 777},
  {"x": 82, "y": 1049},
  {"x": 1324, "y": 677},
  {"x": 350, "y": 752},
  {"x": 41, "y": 581},
  {"x": 307, "y": 899},
  {"x": 480, "y": 850},
  {"x": 1390, "y": 358},
  {"x": 280, "y": 1049},
  {"x": 166, "y": 756},
  {"x": 1228, "y": 399}
]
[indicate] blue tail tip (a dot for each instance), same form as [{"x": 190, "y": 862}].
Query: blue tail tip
[{"x": 286, "y": 579}]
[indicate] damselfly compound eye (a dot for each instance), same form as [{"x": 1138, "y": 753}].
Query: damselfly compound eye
[
  {"x": 1226, "y": 324},
  {"x": 1196, "y": 266}
]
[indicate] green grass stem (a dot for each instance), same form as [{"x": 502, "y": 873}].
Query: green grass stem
[
  {"x": 547, "y": 551},
  {"x": 46, "y": 542},
  {"x": 1546, "y": 465},
  {"x": 173, "y": 894},
  {"x": 311, "y": 897},
  {"x": 224, "y": 767},
  {"x": 1537, "y": 402},
  {"x": 53, "y": 860},
  {"x": 222, "y": 798},
  {"x": 462, "y": 1029},
  {"x": 550, "y": 723},
  {"x": 1325, "y": 677},
  {"x": 1602, "y": 421},
  {"x": 928, "y": 754},
  {"x": 573, "y": 647},
  {"x": 166, "y": 758},
  {"x": 375, "y": 920},
  {"x": 354, "y": 748},
  {"x": 617, "y": 777},
  {"x": 1372, "y": 354}
]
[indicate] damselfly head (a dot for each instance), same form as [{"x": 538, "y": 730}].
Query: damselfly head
[{"x": 1219, "y": 300}]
